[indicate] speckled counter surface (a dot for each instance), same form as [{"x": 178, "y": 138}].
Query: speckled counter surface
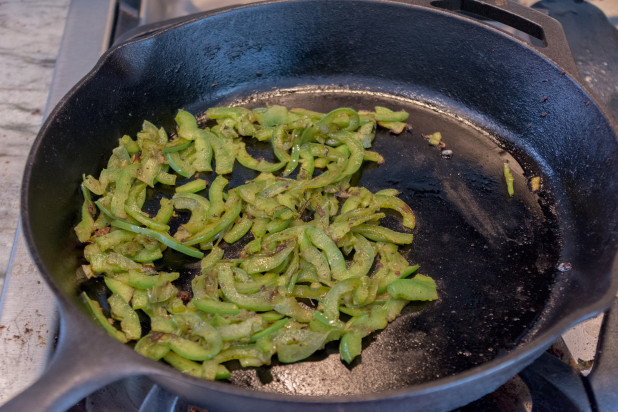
[{"x": 30, "y": 33}]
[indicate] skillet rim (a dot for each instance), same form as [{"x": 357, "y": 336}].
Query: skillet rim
[{"x": 522, "y": 353}]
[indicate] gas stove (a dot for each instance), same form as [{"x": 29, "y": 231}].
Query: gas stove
[{"x": 555, "y": 382}]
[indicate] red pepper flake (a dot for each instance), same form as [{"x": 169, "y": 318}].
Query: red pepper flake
[
  {"x": 543, "y": 114},
  {"x": 155, "y": 336},
  {"x": 184, "y": 295},
  {"x": 103, "y": 231},
  {"x": 544, "y": 99},
  {"x": 303, "y": 207}
]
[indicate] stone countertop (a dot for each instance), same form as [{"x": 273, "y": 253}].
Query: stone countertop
[{"x": 30, "y": 33}]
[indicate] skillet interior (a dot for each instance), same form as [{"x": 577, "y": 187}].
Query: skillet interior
[{"x": 494, "y": 257}]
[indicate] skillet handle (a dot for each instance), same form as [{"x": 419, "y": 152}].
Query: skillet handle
[
  {"x": 85, "y": 360},
  {"x": 525, "y": 19}
]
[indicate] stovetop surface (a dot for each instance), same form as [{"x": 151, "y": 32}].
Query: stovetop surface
[{"x": 594, "y": 44}]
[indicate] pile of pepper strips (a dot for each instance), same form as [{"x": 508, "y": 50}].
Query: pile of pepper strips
[{"x": 291, "y": 290}]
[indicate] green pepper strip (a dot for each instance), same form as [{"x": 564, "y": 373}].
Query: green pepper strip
[
  {"x": 233, "y": 207},
  {"x": 384, "y": 114},
  {"x": 307, "y": 164},
  {"x": 372, "y": 156},
  {"x": 192, "y": 187},
  {"x": 290, "y": 307},
  {"x": 213, "y": 306},
  {"x": 364, "y": 255},
  {"x": 224, "y": 158},
  {"x": 151, "y": 348},
  {"x": 149, "y": 170},
  {"x": 297, "y": 344},
  {"x": 96, "y": 310},
  {"x": 400, "y": 206},
  {"x": 129, "y": 144},
  {"x": 133, "y": 210},
  {"x": 234, "y": 113},
  {"x": 258, "y": 264},
  {"x": 420, "y": 287},
  {"x": 356, "y": 152},
  {"x": 240, "y": 228},
  {"x": 209, "y": 345},
  {"x": 327, "y": 121},
  {"x": 85, "y": 227},
  {"x": 241, "y": 330},
  {"x": 166, "y": 209},
  {"x": 255, "y": 302},
  {"x": 198, "y": 206},
  {"x": 294, "y": 157},
  {"x": 179, "y": 166},
  {"x": 333, "y": 254},
  {"x": 342, "y": 226},
  {"x": 123, "y": 186},
  {"x": 307, "y": 292},
  {"x": 332, "y": 175},
  {"x": 373, "y": 320},
  {"x": 350, "y": 346},
  {"x": 382, "y": 234},
  {"x": 261, "y": 165},
  {"x": 277, "y": 187},
  {"x": 144, "y": 281},
  {"x": 187, "y": 125},
  {"x": 315, "y": 258},
  {"x": 269, "y": 330},
  {"x": 119, "y": 287},
  {"x": 202, "y": 158},
  {"x": 182, "y": 364},
  {"x": 215, "y": 255},
  {"x": 278, "y": 145},
  {"x": 129, "y": 321},
  {"x": 177, "y": 145},
  {"x": 508, "y": 176},
  {"x": 166, "y": 178},
  {"x": 215, "y": 194},
  {"x": 252, "y": 286},
  {"x": 334, "y": 295},
  {"x": 164, "y": 238}
]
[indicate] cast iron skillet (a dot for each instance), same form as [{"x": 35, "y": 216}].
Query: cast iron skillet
[{"x": 501, "y": 263}]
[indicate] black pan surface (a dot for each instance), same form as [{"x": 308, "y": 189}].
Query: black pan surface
[{"x": 497, "y": 259}]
